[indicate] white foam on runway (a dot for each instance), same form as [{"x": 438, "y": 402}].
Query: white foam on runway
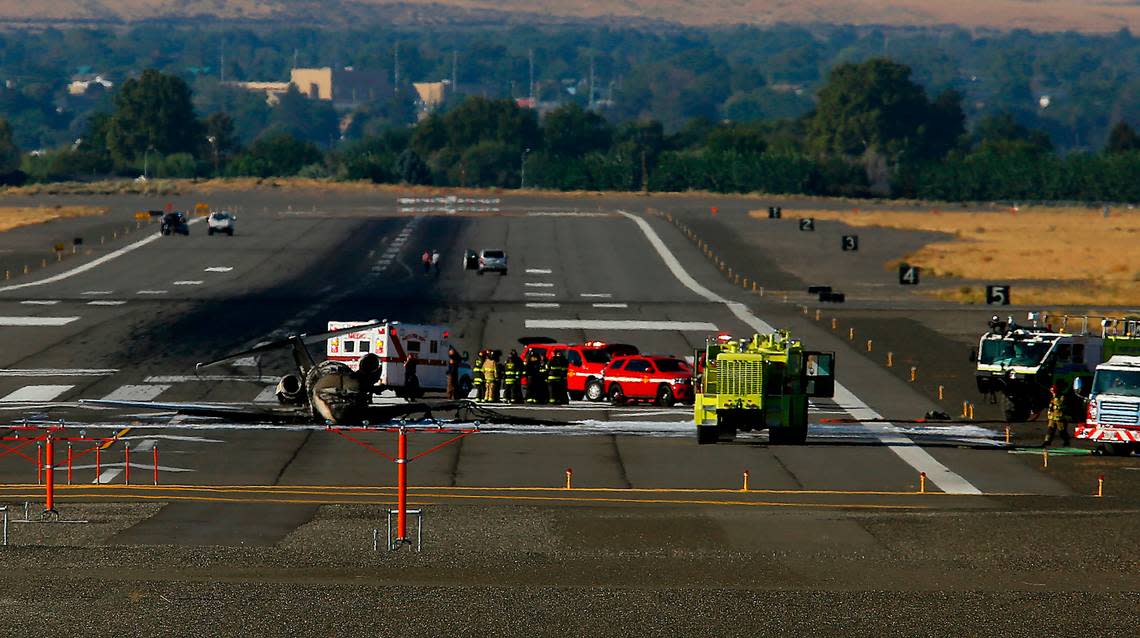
[
  {"x": 600, "y": 324},
  {"x": 32, "y": 393},
  {"x": 37, "y": 321}
]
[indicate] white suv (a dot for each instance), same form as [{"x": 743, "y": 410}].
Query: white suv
[{"x": 221, "y": 222}]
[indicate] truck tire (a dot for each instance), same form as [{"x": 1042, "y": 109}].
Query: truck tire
[
  {"x": 665, "y": 396},
  {"x": 1121, "y": 449},
  {"x": 787, "y": 436},
  {"x": 707, "y": 434},
  {"x": 617, "y": 397},
  {"x": 1014, "y": 411},
  {"x": 595, "y": 391}
]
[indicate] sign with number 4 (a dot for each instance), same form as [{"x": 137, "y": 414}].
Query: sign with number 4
[{"x": 908, "y": 275}]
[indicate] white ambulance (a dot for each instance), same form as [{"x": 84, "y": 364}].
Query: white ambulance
[{"x": 393, "y": 342}]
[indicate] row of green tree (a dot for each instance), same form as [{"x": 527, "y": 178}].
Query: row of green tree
[
  {"x": 874, "y": 132},
  {"x": 742, "y": 74}
]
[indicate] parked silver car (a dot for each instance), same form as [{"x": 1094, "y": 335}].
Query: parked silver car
[
  {"x": 493, "y": 260},
  {"x": 221, "y": 222}
]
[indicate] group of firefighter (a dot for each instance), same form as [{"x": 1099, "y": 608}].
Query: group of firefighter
[{"x": 510, "y": 379}]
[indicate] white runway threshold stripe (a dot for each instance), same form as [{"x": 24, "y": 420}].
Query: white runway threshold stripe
[
  {"x": 36, "y": 321},
  {"x": 34, "y": 393},
  {"x": 94, "y": 263},
  {"x": 136, "y": 393},
  {"x": 602, "y": 324},
  {"x": 57, "y": 372},
  {"x": 888, "y": 434}
]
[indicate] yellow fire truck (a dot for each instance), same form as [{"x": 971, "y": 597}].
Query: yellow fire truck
[{"x": 758, "y": 383}]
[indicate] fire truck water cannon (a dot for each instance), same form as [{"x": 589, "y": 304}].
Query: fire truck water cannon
[{"x": 756, "y": 384}]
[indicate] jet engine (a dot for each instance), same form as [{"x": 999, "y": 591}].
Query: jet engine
[{"x": 290, "y": 390}]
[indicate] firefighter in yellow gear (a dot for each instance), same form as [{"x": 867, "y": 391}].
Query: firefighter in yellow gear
[
  {"x": 490, "y": 375},
  {"x": 512, "y": 372},
  {"x": 1057, "y": 416},
  {"x": 556, "y": 370},
  {"x": 477, "y": 377}
]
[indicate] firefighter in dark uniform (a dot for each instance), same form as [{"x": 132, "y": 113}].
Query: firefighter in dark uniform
[
  {"x": 477, "y": 376},
  {"x": 535, "y": 379},
  {"x": 556, "y": 370},
  {"x": 512, "y": 372},
  {"x": 453, "y": 362},
  {"x": 1057, "y": 416}
]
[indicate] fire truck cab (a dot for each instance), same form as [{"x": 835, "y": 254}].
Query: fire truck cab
[
  {"x": 1113, "y": 413},
  {"x": 393, "y": 342}
]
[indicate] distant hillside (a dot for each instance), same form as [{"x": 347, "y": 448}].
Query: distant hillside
[{"x": 1038, "y": 15}]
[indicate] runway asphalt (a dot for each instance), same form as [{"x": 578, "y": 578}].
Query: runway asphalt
[{"x": 133, "y": 326}]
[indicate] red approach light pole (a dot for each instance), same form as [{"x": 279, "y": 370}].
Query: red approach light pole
[{"x": 401, "y": 460}]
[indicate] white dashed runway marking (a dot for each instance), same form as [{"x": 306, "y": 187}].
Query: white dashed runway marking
[
  {"x": 40, "y": 302},
  {"x": 538, "y": 284},
  {"x": 136, "y": 393},
  {"x": 596, "y": 295},
  {"x": 31, "y": 393},
  {"x": 611, "y": 305},
  {"x": 152, "y": 292},
  {"x": 219, "y": 269},
  {"x": 188, "y": 283},
  {"x": 539, "y": 294},
  {"x": 538, "y": 271},
  {"x": 106, "y": 302},
  {"x": 57, "y": 372},
  {"x": 543, "y": 305},
  {"x": 36, "y": 321},
  {"x": 93, "y": 293}
]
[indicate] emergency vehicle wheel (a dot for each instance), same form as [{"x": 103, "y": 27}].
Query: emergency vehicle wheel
[
  {"x": 1121, "y": 449},
  {"x": 594, "y": 390},
  {"x": 665, "y": 396},
  {"x": 617, "y": 397}
]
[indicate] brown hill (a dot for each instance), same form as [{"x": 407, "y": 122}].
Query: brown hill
[{"x": 1038, "y": 15}]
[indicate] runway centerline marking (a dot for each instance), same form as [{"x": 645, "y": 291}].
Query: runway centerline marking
[
  {"x": 36, "y": 393},
  {"x": 596, "y": 295},
  {"x": 543, "y": 305},
  {"x": 538, "y": 271},
  {"x": 219, "y": 269},
  {"x": 611, "y": 305},
  {"x": 188, "y": 282},
  {"x": 106, "y": 302},
  {"x": 95, "y": 263},
  {"x": 539, "y": 284},
  {"x": 898, "y": 443},
  {"x": 40, "y": 302},
  {"x": 539, "y": 294},
  {"x": 96, "y": 292},
  {"x": 152, "y": 292},
  {"x": 601, "y": 324},
  {"x": 36, "y": 321}
]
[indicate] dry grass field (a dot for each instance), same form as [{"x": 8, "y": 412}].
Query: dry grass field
[
  {"x": 14, "y": 217},
  {"x": 1064, "y": 256},
  {"x": 1038, "y": 15}
]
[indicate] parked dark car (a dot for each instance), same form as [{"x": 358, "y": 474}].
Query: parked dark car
[
  {"x": 175, "y": 223},
  {"x": 470, "y": 260}
]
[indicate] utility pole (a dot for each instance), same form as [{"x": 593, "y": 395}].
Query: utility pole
[
  {"x": 397, "y": 68},
  {"x": 590, "y": 103},
  {"x": 530, "y": 56}
]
